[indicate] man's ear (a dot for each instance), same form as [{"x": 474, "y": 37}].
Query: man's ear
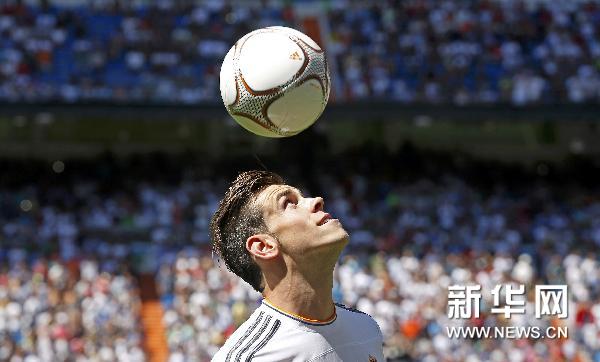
[{"x": 262, "y": 246}]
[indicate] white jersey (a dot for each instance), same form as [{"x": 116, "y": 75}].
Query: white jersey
[{"x": 271, "y": 334}]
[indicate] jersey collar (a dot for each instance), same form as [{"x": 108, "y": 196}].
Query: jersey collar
[{"x": 299, "y": 318}]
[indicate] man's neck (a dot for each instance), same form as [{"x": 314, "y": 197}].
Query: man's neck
[{"x": 310, "y": 299}]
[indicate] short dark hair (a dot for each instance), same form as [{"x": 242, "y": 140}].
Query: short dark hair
[{"x": 236, "y": 219}]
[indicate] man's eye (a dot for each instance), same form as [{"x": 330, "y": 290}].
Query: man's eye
[{"x": 288, "y": 201}]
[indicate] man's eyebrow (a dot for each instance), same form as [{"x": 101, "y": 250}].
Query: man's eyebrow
[{"x": 286, "y": 192}]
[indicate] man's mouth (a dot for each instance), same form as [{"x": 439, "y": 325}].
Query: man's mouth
[{"x": 326, "y": 218}]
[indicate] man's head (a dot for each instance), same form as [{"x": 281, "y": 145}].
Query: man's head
[{"x": 261, "y": 219}]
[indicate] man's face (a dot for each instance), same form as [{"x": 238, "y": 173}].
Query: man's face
[{"x": 299, "y": 223}]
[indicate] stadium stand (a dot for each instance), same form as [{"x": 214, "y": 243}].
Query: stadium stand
[
  {"x": 53, "y": 310},
  {"x": 437, "y": 51}
]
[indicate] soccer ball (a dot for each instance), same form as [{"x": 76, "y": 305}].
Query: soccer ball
[{"x": 275, "y": 81}]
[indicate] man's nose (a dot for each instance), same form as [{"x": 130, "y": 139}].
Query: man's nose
[{"x": 317, "y": 204}]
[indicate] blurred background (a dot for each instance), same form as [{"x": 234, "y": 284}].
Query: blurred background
[{"x": 461, "y": 145}]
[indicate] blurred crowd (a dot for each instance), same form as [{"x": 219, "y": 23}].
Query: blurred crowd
[
  {"x": 434, "y": 51},
  {"x": 463, "y": 52},
  {"x": 413, "y": 234},
  {"x": 53, "y": 310}
]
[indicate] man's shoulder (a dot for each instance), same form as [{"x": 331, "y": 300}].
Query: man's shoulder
[
  {"x": 352, "y": 313},
  {"x": 255, "y": 331},
  {"x": 357, "y": 319}
]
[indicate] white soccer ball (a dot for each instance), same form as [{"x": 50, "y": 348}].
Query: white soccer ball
[{"x": 275, "y": 81}]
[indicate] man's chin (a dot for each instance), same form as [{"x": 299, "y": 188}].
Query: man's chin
[
  {"x": 341, "y": 239},
  {"x": 331, "y": 248},
  {"x": 345, "y": 239}
]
